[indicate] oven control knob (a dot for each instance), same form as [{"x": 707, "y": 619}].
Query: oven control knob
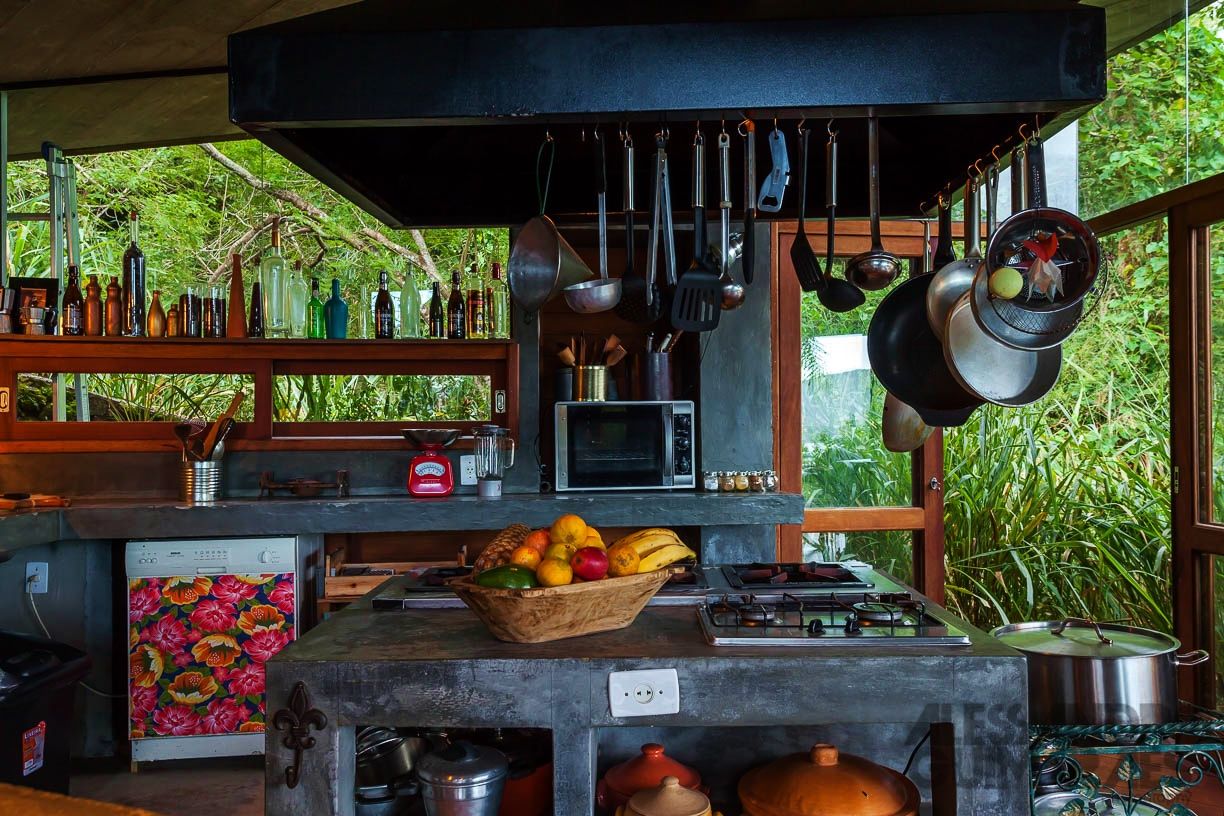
[
  {"x": 682, "y": 443},
  {"x": 683, "y": 465},
  {"x": 265, "y": 557},
  {"x": 683, "y": 422}
]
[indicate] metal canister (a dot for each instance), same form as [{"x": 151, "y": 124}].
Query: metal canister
[{"x": 463, "y": 780}]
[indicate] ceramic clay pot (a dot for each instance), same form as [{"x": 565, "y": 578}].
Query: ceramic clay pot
[
  {"x": 670, "y": 798},
  {"x": 643, "y": 772},
  {"x": 824, "y": 782}
]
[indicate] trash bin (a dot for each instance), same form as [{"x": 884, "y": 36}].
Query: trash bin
[{"x": 37, "y": 684}]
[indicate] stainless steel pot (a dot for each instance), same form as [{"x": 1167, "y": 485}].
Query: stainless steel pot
[
  {"x": 385, "y": 756},
  {"x": 463, "y": 780},
  {"x": 1085, "y": 673}
]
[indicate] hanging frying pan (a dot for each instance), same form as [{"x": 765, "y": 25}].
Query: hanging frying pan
[{"x": 908, "y": 359}]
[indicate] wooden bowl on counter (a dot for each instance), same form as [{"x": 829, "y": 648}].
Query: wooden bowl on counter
[{"x": 544, "y": 614}]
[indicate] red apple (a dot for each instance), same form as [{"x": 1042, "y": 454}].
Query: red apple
[{"x": 590, "y": 563}]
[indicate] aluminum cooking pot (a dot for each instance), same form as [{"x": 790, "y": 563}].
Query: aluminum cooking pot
[
  {"x": 1084, "y": 673},
  {"x": 463, "y": 780}
]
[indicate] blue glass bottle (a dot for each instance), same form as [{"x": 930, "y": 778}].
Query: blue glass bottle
[{"x": 335, "y": 312}]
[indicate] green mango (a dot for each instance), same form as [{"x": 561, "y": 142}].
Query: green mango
[{"x": 508, "y": 576}]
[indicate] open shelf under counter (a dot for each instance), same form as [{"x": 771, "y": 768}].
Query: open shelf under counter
[{"x": 358, "y": 514}]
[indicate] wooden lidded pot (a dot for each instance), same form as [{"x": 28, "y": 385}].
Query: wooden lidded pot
[
  {"x": 669, "y": 799},
  {"x": 644, "y": 772},
  {"x": 824, "y": 782}
]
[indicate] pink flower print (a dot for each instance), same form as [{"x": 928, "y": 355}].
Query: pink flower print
[
  {"x": 265, "y": 643},
  {"x": 144, "y": 700},
  {"x": 224, "y": 716},
  {"x": 282, "y": 596},
  {"x": 142, "y": 602},
  {"x": 248, "y": 679},
  {"x": 176, "y": 720},
  {"x": 167, "y": 633},
  {"x": 211, "y": 615},
  {"x": 229, "y": 589}
]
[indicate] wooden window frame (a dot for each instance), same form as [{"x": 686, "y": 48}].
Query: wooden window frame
[
  {"x": 924, "y": 516},
  {"x": 262, "y": 360}
]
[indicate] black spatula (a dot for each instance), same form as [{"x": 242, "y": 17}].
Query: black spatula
[{"x": 697, "y": 302}]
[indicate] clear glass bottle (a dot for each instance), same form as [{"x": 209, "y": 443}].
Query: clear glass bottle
[
  {"x": 410, "y": 307},
  {"x": 273, "y": 280},
  {"x": 316, "y": 326},
  {"x": 133, "y": 296},
  {"x": 497, "y": 305},
  {"x": 299, "y": 295},
  {"x": 384, "y": 310}
]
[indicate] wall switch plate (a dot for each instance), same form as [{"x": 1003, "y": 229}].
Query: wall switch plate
[
  {"x": 467, "y": 470},
  {"x": 37, "y": 577},
  {"x": 644, "y": 693}
]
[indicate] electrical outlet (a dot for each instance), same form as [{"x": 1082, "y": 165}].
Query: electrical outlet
[
  {"x": 37, "y": 577},
  {"x": 644, "y": 693},
  {"x": 467, "y": 470}
]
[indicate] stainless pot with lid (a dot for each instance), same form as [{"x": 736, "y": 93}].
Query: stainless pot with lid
[
  {"x": 1085, "y": 673},
  {"x": 1053, "y": 804},
  {"x": 463, "y": 780}
]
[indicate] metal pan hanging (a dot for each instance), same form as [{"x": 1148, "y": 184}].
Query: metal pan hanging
[{"x": 991, "y": 370}]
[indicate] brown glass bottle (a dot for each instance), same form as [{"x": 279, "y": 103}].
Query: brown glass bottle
[
  {"x": 475, "y": 308},
  {"x": 72, "y": 318},
  {"x": 384, "y": 311},
  {"x": 134, "y": 283},
  {"x": 456, "y": 314},
  {"x": 437, "y": 313},
  {"x": 93, "y": 307},
  {"x": 114, "y": 309}
]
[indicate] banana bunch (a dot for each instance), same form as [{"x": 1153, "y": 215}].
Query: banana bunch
[{"x": 657, "y": 547}]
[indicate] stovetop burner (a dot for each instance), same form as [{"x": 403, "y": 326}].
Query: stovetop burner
[
  {"x": 840, "y": 618},
  {"x": 810, "y": 575}
]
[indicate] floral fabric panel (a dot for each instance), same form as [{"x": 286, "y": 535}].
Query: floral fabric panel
[{"x": 196, "y": 651}]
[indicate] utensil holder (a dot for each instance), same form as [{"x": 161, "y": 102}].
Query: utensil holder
[
  {"x": 657, "y": 385},
  {"x": 563, "y": 384},
  {"x": 591, "y": 383},
  {"x": 200, "y": 482}
]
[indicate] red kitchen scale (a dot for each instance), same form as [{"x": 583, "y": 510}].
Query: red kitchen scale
[{"x": 430, "y": 472}]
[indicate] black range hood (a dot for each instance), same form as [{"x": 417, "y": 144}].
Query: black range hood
[{"x": 434, "y": 118}]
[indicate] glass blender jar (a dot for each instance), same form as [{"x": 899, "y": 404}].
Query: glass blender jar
[{"x": 494, "y": 451}]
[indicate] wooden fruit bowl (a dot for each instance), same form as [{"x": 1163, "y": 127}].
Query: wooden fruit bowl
[{"x": 542, "y": 614}]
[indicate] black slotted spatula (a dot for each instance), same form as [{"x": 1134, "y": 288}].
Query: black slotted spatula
[{"x": 697, "y": 302}]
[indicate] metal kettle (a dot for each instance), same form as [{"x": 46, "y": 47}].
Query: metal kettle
[{"x": 463, "y": 780}]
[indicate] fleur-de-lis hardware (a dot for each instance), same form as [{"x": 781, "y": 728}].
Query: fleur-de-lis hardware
[{"x": 297, "y": 720}]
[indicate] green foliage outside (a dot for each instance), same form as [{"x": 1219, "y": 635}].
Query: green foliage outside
[
  {"x": 195, "y": 211},
  {"x": 1063, "y": 507}
]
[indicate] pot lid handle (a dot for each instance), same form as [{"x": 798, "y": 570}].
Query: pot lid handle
[
  {"x": 1060, "y": 628},
  {"x": 823, "y": 754}
]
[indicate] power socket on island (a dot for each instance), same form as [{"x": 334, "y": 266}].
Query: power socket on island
[
  {"x": 467, "y": 469},
  {"x": 644, "y": 693}
]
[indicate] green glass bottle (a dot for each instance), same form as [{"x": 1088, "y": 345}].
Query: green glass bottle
[{"x": 315, "y": 326}]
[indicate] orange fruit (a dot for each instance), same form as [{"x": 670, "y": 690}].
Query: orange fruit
[
  {"x": 526, "y": 556},
  {"x": 623, "y": 560},
  {"x": 562, "y": 552},
  {"x": 594, "y": 539},
  {"x": 538, "y": 540},
  {"x": 554, "y": 572},
  {"x": 569, "y": 529}
]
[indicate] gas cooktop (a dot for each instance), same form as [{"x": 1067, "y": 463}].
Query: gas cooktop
[{"x": 830, "y": 619}]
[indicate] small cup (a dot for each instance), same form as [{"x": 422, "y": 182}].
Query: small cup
[
  {"x": 658, "y": 379},
  {"x": 563, "y": 384},
  {"x": 591, "y": 383}
]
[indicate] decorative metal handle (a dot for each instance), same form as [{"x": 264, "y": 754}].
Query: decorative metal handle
[
  {"x": 1192, "y": 658},
  {"x": 510, "y": 464},
  {"x": 934, "y": 484},
  {"x": 297, "y": 720},
  {"x": 1060, "y": 628}
]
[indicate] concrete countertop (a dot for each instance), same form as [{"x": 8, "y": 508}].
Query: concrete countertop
[{"x": 239, "y": 517}]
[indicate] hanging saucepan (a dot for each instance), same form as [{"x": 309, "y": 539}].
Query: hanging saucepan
[
  {"x": 997, "y": 373},
  {"x": 542, "y": 262},
  {"x": 1057, "y": 257},
  {"x": 903, "y": 429},
  {"x": 954, "y": 279},
  {"x": 908, "y": 359}
]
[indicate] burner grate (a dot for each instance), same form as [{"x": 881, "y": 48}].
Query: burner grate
[{"x": 832, "y": 615}]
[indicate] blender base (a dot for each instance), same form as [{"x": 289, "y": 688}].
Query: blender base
[{"x": 489, "y": 488}]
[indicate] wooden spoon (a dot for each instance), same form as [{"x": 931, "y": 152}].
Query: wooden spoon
[{"x": 210, "y": 441}]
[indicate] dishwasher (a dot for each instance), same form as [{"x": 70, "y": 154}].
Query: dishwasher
[{"x": 204, "y": 615}]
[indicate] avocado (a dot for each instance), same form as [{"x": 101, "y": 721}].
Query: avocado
[{"x": 508, "y": 576}]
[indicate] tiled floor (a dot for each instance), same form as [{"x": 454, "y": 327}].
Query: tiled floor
[{"x": 231, "y": 786}]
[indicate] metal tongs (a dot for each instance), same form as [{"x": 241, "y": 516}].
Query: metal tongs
[{"x": 661, "y": 218}]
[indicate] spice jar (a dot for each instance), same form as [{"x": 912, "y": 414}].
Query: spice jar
[
  {"x": 741, "y": 481},
  {"x": 709, "y": 480},
  {"x": 770, "y": 480},
  {"x": 726, "y": 481},
  {"x": 755, "y": 482}
]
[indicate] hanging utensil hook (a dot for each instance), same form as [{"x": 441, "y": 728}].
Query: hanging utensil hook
[
  {"x": 829, "y": 128},
  {"x": 802, "y": 121},
  {"x": 542, "y": 190}
]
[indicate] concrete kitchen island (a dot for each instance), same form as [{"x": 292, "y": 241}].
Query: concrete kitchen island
[{"x": 441, "y": 668}]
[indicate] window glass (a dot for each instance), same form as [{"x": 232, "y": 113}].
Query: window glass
[
  {"x": 1216, "y": 261},
  {"x": 381, "y": 398},
  {"x": 845, "y": 463},
  {"x": 890, "y": 551},
  {"x": 136, "y": 397}
]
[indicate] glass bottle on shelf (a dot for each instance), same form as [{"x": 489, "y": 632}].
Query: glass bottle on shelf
[
  {"x": 299, "y": 296},
  {"x": 497, "y": 305},
  {"x": 476, "y": 328},
  {"x": 133, "y": 295},
  {"x": 362, "y": 330},
  {"x": 384, "y": 310},
  {"x": 172, "y": 321},
  {"x": 336, "y": 313},
  {"x": 93, "y": 307},
  {"x": 273, "y": 280},
  {"x": 72, "y": 315},
  {"x": 410, "y": 307},
  {"x": 255, "y": 321},
  {"x": 437, "y": 313},
  {"x": 456, "y": 317},
  {"x": 114, "y": 309},
  {"x": 316, "y": 327},
  {"x": 156, "y": 326}
]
